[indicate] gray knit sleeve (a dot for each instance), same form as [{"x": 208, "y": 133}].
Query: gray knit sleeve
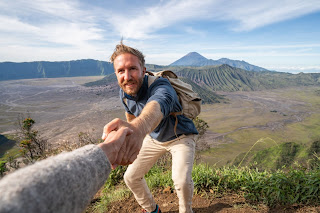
[{"x": 63, "y": 183}]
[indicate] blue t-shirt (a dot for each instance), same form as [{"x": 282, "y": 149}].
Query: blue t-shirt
[{"x": 162, "y": 92}]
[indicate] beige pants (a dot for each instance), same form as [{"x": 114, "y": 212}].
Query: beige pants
[{"x": 182, "y": 151}]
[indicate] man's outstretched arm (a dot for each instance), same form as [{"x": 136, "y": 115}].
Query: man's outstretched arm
[{"x": 145, "y": 123}]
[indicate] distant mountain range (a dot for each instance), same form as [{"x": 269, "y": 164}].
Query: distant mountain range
[
  {"x": 194, "y": 59},
  {"x": 45, "y": 69},
  {"x": 90, "y": 67}
]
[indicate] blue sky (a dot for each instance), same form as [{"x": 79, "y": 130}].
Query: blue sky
[{"x": 282, "y": 35}]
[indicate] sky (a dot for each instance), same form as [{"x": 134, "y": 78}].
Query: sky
[{"x": 281, "y": 35}]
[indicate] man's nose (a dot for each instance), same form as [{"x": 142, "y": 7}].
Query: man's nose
[{"x": 127, "y": 75}]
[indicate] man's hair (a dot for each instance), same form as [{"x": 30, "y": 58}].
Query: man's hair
[{"x": 121, "y": 49}]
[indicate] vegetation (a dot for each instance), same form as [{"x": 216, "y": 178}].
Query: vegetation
[
  {"x": 290, "y": 183},
  {"x": 33, "y": 146},
  {"x": 227, "y": 78},
  {"x": 296, "y": 185},
  {"x": 206, "y": 94},
  {"x": 3, "y": 167},
  {"x": 7, "y": 144},
  {"x": 281, "y": 156}
]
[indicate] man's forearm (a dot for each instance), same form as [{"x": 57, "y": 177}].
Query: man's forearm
[{"x": 149, "y": 118}]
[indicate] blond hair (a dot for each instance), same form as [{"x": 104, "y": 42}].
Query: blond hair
[{"x": 121, "y": 49}]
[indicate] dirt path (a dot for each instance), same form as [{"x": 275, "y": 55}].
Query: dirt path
[{"x": 228, "y": 203}]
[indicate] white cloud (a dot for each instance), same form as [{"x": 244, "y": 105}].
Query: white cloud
[
  {"x": 261, "y": 13},
  {"x": 13, "y": 25},
  {"x": 160, "y": 16},
  {"x": 264, "y": 47},
  {"x": 48, "y": 29},
  {"x": 248, "y": 14},
  {"x": 295, "y": 69}
]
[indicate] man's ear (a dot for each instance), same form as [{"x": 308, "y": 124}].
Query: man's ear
[{"x": 144, "y": 70}]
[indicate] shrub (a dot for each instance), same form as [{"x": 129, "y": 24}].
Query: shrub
[
  {"x": 3, "y": 168},
  {"x": 33, "y": 146}
]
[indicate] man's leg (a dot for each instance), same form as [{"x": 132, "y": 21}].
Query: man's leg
[
  {"x": 134, "y": 176},
  {"x": 182, "y": 152}
]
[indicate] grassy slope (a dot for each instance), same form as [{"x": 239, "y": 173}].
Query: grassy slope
[
  {"x": 206, "y": 80},
  {"x": 227, "y": 118},
  {"x": 7, "y": 146},
  {"x": 227, "y": 78}
]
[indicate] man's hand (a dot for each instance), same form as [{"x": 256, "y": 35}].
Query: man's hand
[
  {"x": 131, "y": 147},
  {"x": 145, "y": 123},
  {"x": 114, "y": 142}
]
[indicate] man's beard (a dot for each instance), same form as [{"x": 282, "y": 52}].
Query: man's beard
[{"x": 132, "y": 92}]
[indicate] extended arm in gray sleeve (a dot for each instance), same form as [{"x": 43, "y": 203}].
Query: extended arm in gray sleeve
[{"x": 63, "y": 183}]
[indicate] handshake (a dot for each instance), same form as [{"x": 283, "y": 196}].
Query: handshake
[{"x": 122, "y": 142}]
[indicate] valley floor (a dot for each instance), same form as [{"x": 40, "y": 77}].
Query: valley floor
[{"x": 62, "y": 108}]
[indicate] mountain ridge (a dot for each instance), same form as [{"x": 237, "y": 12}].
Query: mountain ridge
[
  {"x": 206, "y": 81},
  {"x": 55, "y": 69},
  {"x": 197, "y": 60}
]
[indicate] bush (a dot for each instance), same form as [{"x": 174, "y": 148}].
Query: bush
[
  {"x": 33, "y": 146},
  {"x": 3, "y": 168}
]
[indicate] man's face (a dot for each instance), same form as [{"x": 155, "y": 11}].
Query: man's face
[{"x": 129, "y": 73}]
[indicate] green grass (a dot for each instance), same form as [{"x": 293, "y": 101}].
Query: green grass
[
  {"x": 281, "y": 187},
  {"x": 109, "y": 195},
  {"x": 8, "y": 147}
]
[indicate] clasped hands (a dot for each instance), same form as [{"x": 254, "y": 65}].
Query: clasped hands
[{"x": 122, "y": 142}]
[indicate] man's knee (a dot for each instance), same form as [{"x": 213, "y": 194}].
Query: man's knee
[
  {"x": 182, "y": 182},
  {"x": 131, "y": 177},
  {"x": 127, "y": 177}
]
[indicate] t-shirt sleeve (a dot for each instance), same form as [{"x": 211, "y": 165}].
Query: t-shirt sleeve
[{"x": 162, "y": 92}]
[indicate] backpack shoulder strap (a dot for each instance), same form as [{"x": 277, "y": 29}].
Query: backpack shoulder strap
[{"x": 151, "y": 77}]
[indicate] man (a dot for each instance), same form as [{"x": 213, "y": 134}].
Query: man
[
  {"x": 148, "y": 112},
  {"x": 64, "y": 183}
]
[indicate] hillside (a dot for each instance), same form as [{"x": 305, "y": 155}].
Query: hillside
[
  {"x": 196, "y": 60},
  {"x": 5, "y": 145},
  {"x": 206, "y": 94},
  {"x": 207, "y": 80},
  {"x": 227, "y": 78},
  {"x": 45, "y": 69}
]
